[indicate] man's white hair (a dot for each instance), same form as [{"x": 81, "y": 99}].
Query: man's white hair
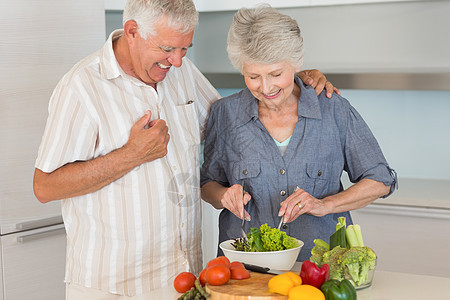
[{"x": 181, "y": 15}]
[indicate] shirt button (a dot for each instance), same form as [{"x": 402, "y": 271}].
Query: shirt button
[
  {"x": 245, "y": 172},
  {"x": 283, "y": 193},
  {"x": 285, "y": 226},
  {"x": 319, "y": 173},
  {"x": 174, "y": 168},
  {"x": 282, "y": 171},
  {"x": 181, "y": 196}
]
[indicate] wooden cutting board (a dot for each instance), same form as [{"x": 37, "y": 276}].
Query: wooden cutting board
[{"x": 254, "y": 288}]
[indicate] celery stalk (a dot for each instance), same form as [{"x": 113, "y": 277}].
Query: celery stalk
[
  {"x": 341, "y": 223},
  {"x": 352, "y": 240},
  {"x": 357, "y": 230},
  {"x": 321, "y": 244}
]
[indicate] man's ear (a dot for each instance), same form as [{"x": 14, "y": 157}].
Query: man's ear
[{"x": 131, "y": 30}]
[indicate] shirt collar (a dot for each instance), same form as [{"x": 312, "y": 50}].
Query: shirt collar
[
  {"x": 109, "y": 66},
  {"x": 308, "y": 104}
]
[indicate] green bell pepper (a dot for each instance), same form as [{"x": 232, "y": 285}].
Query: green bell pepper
[{"x": 338, "y": 290}]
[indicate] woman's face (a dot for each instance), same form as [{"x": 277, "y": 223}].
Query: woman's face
[{"x": 271, "y": 84}]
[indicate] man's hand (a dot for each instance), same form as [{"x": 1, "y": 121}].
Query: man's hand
[
  {"x": 147, "y": 143},
  {"x": 318, "y": 81}
]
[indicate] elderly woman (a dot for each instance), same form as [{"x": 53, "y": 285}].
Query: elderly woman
[{"x": 282, "y": 144}]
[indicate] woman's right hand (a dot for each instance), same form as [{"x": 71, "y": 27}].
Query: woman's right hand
[{"x": 234, "y": 200}]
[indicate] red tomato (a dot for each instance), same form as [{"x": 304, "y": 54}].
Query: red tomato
[
  {"x": 220, "y": 260},
  {"x": 239, "y": 273},
  {"x": 236, "y": 264},
  {"x": 217, "y": 275},
  {"x": 202, "y": 277},
  {"x": 184, "y": 282}
]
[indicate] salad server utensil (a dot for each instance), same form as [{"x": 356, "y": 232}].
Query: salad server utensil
[
  {"x": 281, "y": 222},
  {"x": 243, "y": 234},
  {"x": 282, "y": 217}
]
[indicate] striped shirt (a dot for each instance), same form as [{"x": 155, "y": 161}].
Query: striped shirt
[{"x": 135, "y": 234}]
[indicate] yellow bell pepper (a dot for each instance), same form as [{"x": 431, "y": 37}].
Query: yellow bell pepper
[
  {"x": 305, "y": 292},
  {"x": 283, "y": 283}
]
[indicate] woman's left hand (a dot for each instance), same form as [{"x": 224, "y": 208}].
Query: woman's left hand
[{"x": 301, "y": 202}]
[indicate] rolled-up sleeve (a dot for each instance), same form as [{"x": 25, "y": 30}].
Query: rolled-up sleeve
[{"x": 363, "y": 156}]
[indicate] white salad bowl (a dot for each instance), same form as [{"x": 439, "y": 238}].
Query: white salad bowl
[{"x": 274, "y": 260}]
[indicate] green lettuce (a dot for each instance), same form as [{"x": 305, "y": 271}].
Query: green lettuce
[{"x": 265, "y": 238}]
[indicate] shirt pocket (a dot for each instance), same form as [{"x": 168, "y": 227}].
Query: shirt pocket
[
  {"x": 246, "y": 170},
  {"x": 187, "y": 116},
  {"x": 321, "y": 177}
]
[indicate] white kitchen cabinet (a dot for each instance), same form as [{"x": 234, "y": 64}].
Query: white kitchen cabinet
[
  {"x": 45, "y": 38},
  {"x": 33, "y": 264},
  {"x": 210, "y": 231},
  {"x": 375, "y": 38},
  {"x": 1, "y": 278},
  {"x": 409, "y": 230},
  {"x": 407, "y": 239},
  {"x": 208, "y": 5}
]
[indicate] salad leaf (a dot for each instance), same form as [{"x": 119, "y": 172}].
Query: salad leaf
[
  {"x": 266, "y": 238},
  {"x": 255, "y": 240}
]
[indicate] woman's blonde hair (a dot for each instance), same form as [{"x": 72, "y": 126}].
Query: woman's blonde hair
[{"x": 264, "y": 35}]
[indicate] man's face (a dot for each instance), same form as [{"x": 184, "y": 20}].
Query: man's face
[{"x": 151, "y": 59}]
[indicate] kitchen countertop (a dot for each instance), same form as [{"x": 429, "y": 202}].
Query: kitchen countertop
[
  {"x": 386, "y": 286},
  {"x": 398, "y": 286},
  {"x": 416, "y": 192}
]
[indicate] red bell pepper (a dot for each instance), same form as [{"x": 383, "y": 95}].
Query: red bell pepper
[{"x": 313, "y": 275}]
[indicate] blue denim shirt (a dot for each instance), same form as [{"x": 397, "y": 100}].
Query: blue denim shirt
[{"x": 330, "y": 137}]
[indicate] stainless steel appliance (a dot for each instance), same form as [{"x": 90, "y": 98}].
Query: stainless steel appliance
[{"x": 41, "y": 40}]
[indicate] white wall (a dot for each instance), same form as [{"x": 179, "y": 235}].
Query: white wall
[
  {"x": 381, "y": 37},
  {"x": 412, "y": 128}
]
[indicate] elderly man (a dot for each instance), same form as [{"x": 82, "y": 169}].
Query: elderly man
[{"x": 121, "y": 150}]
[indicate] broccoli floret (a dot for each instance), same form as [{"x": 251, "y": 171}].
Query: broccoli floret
[
  {"x": 336, "y": 272},
  {"x": 370, "y": 257},
  {"x": 317, "y": 252},
  {"x": 357, "y": 262},
  {"x": 320, "y": 247},
  {"x": 363, "y": 273},
  {"x": 332, "y": 258},
  {"x": 367, "y": 264},
  {"x": 351, "y": 261},
  {"x": 317, "y": 259},
  {"x": 334, "y": 254}
]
